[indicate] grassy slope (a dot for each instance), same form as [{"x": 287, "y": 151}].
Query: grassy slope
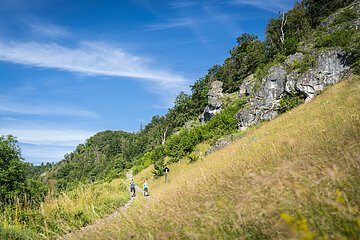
[
  {"x": 60, "y": 214},
  {"x": 297, "y": 176}
]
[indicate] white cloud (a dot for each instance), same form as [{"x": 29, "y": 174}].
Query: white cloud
[
  {"x": 268, "y": 5},
  {"x": 43, "y": 153},
  {"x": 9, "y": 105},
  {"x": 92, "y": 58},
  {"x": 174, "y": 23},
  {"x": 49, "y": 30},
  {"x": 41, "y": 142},
  {"x": 48, "y": 135}
]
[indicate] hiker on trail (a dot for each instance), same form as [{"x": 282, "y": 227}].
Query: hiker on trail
[
  {"x": 146, "y": 188},
  {"x": 132, "y": 187}
]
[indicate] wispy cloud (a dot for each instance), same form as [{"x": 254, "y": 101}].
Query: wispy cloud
[
  {"x": 9, "y": 119},
  {"x": 48, "y": 136},
  {"x": 44, "y": 153},
  {"x": 49, "y": 30},
  {"x": 9, "y": 105},
  {"x": 268, "y": 5},
  {"x": 92, "y": 58},
  {"x": 44, "y": 142},
  {"x": 174, "y": 23},
  {"x": 182, "y": 4}
]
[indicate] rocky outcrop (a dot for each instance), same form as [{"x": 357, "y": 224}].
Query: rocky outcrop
[
  {"x": 330, "y": 67},
  {"x": 221, "y": 143},
  {"x": 215, "y": 100}
]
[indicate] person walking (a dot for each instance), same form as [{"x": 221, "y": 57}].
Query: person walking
[
  {"x": 146, "y": 188},
  {"x": 132, "y": 188}
]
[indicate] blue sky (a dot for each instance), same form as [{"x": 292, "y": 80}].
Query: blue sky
[{"x": 69, "y": 69}]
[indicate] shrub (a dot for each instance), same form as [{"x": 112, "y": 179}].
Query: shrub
[
  {"x": 302, "y": 65},
  {"x": 193, "y": 157},
  {"x": 355, "y": 61},
  {"x": 183, "y": 143},
  {"x": 339, "y": 38},
  {"x": 345, "y": 16},
  {"x": 290, "y": 101}
]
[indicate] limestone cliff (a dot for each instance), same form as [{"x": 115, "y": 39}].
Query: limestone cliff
[{"x": 329, "y": 67}]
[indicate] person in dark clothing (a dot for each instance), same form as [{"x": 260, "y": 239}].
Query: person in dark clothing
[{"x": 132, "y": 187}]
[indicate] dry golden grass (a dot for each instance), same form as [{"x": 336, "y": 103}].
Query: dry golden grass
[
  {"x": 66, "y": 212},
  {"x": 297, "y": 176}
]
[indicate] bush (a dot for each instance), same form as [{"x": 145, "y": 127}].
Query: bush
[
  {"x": 339, "y": 38},
  {"x": 355, "y": 61},
  {"x": 291, "y": 45},
  {"x": 16, "y": 234},
  {"x": 345, "y": 16},
  {"x": 158, "y": 158},
  {"x": 183, "y": 143},
  {"x": 303, "y": 65},
  {"x": 193, "y": 157},
  {"x": 143, "y": 162},
  {"x": 291, "y": 100}
]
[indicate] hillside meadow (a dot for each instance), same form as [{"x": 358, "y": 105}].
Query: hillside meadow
[
  {"x": 62, "y": 212},
  {"x": 296, "y": 177}
]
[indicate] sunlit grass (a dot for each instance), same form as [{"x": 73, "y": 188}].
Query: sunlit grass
[
  {"x": 60, "y": 214},
  {"x": 297, "y": 176}
]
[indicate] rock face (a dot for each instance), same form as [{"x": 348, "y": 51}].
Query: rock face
[
  {"x": 263, "y": 104},
  {"x": 215, "y": 100}
]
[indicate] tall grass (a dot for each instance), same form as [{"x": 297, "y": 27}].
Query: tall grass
[
  {"x": 296, "y": 177},
  {"x": 62, "y": 213}
]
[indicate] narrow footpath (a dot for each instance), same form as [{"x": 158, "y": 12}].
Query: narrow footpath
[{"x": 98, "y": 224}]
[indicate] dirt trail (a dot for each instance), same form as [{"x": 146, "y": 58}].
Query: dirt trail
[{"x": 98, "y": 224}]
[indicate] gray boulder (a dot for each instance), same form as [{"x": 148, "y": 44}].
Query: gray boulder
[
  {"x": 247, "y": 86},
  {"x": 331, "y": 67},
  {"x": 215, "y": 101}
]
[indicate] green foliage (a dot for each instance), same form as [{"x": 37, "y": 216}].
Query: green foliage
[
  {"x": 295, "y": 26},
  {"x": 36, "y": 190},
  {"x": 143, "y": 162},
  {"x": 12, "y": 169},
  {"x": 316, "y": 10},
  {"x": 199, "y": 95},
  {"x": 104, "y": 156},
  {"x": 291, "y": 100},
  {"x": 355, "y": 60},
  {"x": 193, "y": 157},
  {"x": 158, "y": 157},
  {"x": 12, "y": 233},
  {"x": 339, "y": 38},
  {"x": 244, "y": 59},
  {"x": 302, "y": 65},
  {"x": 183, "y": 143},
  {"x": 345, "y": 16}
]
